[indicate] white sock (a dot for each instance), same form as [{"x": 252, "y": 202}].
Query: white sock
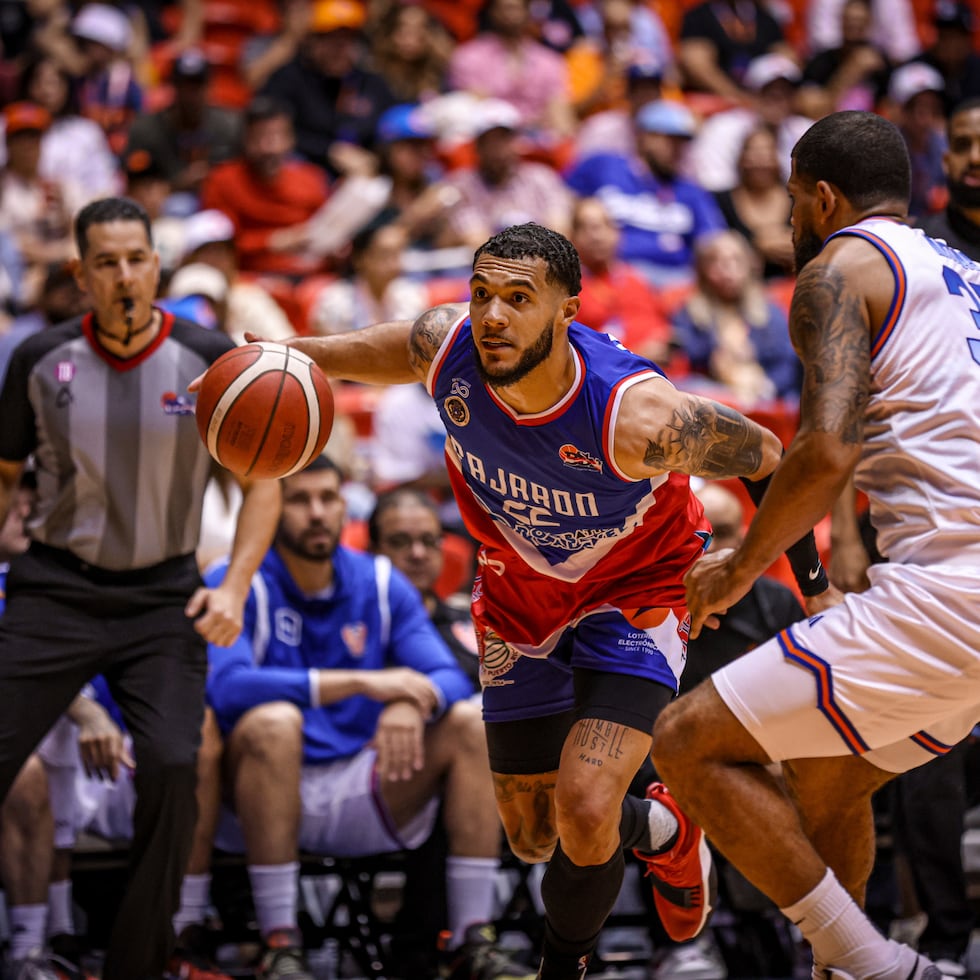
[
  {"x": 470, "y": 892},
  {"x": 274, "y": 890},
  {"x": 839, "y": 933},
  {"x": 195, "y": 899},
  {"x": 663, "y": 825},
  {"x": 26, "y": 929},
  {"x": 61, "y": 917}
]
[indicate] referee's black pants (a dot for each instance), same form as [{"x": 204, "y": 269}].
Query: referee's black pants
[{"x": 64, "y": 623}]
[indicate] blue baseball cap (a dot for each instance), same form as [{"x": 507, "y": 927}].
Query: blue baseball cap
[
  {"x": 669, "y": 118},
  {"x": 404, "y": 122},
  {"x": 644, "y": 67}
]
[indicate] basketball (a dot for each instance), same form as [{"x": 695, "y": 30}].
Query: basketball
[{"x": 264, "y": 410}]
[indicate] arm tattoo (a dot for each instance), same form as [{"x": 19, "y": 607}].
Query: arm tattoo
[
  {"x": 428, "y": 333},
  {"x": 833, "y": 339},
  {"x": 706, "y": 439}
]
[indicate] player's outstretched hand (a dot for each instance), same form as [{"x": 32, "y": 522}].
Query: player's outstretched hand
[
  {"x": 217, "y": 614},
  {"x": 713, "y": 585}
]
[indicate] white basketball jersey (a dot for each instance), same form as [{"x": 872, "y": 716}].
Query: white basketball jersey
[{"x": 921, "y": 461}]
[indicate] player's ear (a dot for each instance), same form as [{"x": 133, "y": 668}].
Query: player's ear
[
  {"x": 828, "y": 198},
  {"x": 570, "y": 308}
]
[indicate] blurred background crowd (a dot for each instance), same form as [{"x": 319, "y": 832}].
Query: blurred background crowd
[{"x": 312, "y": 166}]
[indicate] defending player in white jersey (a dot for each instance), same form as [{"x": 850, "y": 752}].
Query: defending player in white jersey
[{"x": 887, "y": 324}]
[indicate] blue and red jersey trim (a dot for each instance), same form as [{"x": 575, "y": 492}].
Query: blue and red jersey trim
[{"x": 795, "y": 651}]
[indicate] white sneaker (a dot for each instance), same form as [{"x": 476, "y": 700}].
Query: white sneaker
[
  {"x": 696, "y": 960},
  {"x": 34, "y": 966}
]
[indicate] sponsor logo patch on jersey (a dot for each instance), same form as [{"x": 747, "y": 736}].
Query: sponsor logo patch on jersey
[
  {"x": 577, "y": 459},
  {"x": 354, "y": 636},
  {"x": 174, "y": 404},
  {"x": 457, "y": 410}
]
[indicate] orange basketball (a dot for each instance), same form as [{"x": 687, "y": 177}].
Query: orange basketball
[{"x": 264, "y": 410}]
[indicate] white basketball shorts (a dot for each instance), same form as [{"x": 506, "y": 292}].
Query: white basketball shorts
[{"x": 892, "y": 674}]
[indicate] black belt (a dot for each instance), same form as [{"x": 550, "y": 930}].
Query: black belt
[{"x": 146, "y": 575}]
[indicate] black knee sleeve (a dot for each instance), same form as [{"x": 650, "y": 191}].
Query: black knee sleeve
[{"x": 578, "y": 900}]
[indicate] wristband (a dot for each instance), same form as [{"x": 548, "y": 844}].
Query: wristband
[{"x": 804, "y": 559}]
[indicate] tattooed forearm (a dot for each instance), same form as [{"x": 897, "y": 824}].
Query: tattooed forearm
[
  {"x": 831, "y": 334},
  {"x": 428, "y": 333},
  {"x": 706, "y": 439}
]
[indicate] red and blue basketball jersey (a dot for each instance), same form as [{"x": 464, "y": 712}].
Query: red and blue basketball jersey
[{"x": 563, "y": 531}]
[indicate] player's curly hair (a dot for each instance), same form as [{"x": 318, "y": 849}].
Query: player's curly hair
[{"x": 532, "y": 241}]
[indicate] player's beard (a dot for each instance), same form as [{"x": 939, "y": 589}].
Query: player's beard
[
  {"x": 536, "y": 354},
  {"x": 322, "y": 550},
  {"x": 806, "y": 246}
]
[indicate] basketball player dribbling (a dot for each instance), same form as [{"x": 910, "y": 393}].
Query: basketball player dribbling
[
  {"x": 569, "y": 457},
  {"x": 887, "y": 324}
]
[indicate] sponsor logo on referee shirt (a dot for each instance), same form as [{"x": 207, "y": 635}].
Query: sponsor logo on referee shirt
[{"x": 174, "y": 404}]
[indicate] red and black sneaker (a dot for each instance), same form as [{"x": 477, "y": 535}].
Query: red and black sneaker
[{"x": 683, "y": 877}]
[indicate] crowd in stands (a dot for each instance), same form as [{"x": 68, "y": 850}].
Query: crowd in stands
[
  {"x": 350, "y": 155},
  {"x": 314, "y": 166}
]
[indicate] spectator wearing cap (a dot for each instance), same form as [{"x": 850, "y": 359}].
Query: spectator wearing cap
[
  {"x": 146, "y": 182},
  {"x": 73, "y": 149},
  {"x": 502, "y": 188},
  {"x": 209, "y": 239},
  {"x": 335, "y": 99},
  {"x": 198, "y": 292},
  {"x": 269, "y": 196},
  {"x": 108, "y": 91},
  {"x": 504, "y": 62},
  {"x": 916, "y": 92},
  {"x": 190, "y": 135},
  {"x": 35, "y": 211},
  {"x": 406, "y": 149},
  {"x": 953, "y": 53},
  {"x": 614, "y": 130},
  {"x": 718, "y": 41},
  {"x": 851, "y": 75},
  {"x": 659, "y": 213},
  {"x": 772, "y": 79}
]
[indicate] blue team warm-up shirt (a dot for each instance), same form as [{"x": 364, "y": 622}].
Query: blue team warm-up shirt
[
  {"x": 658, "y": 222},
  {"x": 372, "y": 618}
]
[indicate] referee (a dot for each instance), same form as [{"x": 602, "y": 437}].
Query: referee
[{"x": 110, "y": 584}]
